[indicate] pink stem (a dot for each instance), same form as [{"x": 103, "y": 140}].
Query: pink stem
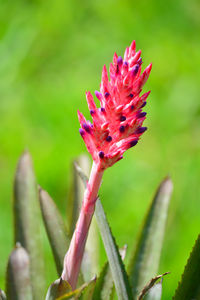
[{"x": 74, "y": 255}]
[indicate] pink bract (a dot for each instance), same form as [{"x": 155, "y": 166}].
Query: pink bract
[{"x": 117, "y": 124}]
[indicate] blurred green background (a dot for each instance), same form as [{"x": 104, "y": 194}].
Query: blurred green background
[{"x": 51, "y": 52}]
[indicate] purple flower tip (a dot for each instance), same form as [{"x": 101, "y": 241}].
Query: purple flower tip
[
  {"x": 141, "y": 115},
  {"x": 122, "y": 118},
  {"x": 92, "y": 112},
  {"x": 139, "y": 61},
  {"x": 98, "y": 95},
  {"x": 125, "y": 64},
  {"x": 106, "y": 95},
  {"x": 102, "y": 109},
  {"x": 140, "y": 130},
  {"x": 109, "y": 138},
  {"x": 101, "y": 154},
  {"x": 117, "y": 70},
  {"x": 81, "y": 131},
  {"x": 135, "y": 69},
  {"x": 86, "y": 127},
  {"x": 131, "y": 95},
  {"x": 120, "y": 61},
  {"x": 143, "y": 104},
  {"x": 122, "y": 129},
  {"x": 132, "y": 107},
  {"x": 133, "y": 143}
]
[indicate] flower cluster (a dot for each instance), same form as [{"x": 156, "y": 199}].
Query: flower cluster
[{"x": 117, "y": 124}]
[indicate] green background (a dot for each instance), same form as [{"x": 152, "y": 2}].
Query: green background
[{"x": 51, "y": 52}]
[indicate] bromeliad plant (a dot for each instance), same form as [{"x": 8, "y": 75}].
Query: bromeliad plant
[{"x": 117, "y": 126}]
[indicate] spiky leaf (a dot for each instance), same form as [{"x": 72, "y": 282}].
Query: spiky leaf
[
  {"x": 57, "y": 289},
  {"x": 155, "y": 292},
  {"x": 149, "y": 285},
  {"x": 55, "y": 228},
  {"x": 100, "y": 282},
  {"x": 119, "y": 274},
  {"x": 189, "y": 286},
  {"x": 145, "y": 259},
  {"x": 81, "y": 174},
  {"x": 76, "y": 191},
  {"x": 104, "y": 288},
  {"x": 104, "y": 285},
  {"x": 18, "y": 285},
  {"x": 2, "y": 295},
  {"x": 27, "y": 218},
  {"x": 88, "y": 292},
  {"x": 85, "y": 289}
]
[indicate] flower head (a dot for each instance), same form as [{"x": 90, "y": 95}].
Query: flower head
[{"x": 117, "y": 124}]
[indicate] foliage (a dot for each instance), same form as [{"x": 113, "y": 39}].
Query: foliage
[{"x": 21, "y": 269}]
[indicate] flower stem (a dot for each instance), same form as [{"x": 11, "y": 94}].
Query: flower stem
[{"x": 74, "y": 255}]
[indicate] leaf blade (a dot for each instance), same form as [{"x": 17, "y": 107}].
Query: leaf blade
[
  {"x": 27, "y": 219},
  {"x": 155, "y": 292},
  {"x": 76, "y": 294},
  {"x": 144, "y": 261},
  {"x": 76, "y": 191},
  {"x": 18, "y": 283},
  {"x": 55, "y": 228},
  {"x": 104, "y": 288},
  {"x": 119, "y": 274},
  {"x": 150, "y": 285},
  {"x": 57, "y": 289},
  {"x": 2, "y": 295},
  {"x": 100, "y": 283},
  {"x": 189, "y": 287},
  {"x": 88, "y": 292}
]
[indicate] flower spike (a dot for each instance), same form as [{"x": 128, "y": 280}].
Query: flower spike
[
  {"x": 120, "y": 116},
  {"x": 117, "y": 127}
]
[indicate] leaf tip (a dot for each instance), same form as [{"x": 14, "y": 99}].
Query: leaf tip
[{"x": 167, "y": 185}]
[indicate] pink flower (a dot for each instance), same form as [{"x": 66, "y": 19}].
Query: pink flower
[{"x": 117, "y": 124}]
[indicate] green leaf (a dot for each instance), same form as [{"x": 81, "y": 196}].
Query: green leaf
[
  {"x": 145, "y": 259},
  {"x": 83, "y": 177},
  {"x": 2, "y": 295},
  {"x": 189, "y": 286},
  {"x": 27, "y": 219},
  {"x": 84, "y": 291},
  {"x": 149, "y": 285},
  {"x": 119, "y": 274},
  {"x": 101, "y": 282},
  {"x": 155, "y": 292},
  {"x": 104, "y": 288},
  {"x": 88, "y": 292},
  {"x": 57, "y": 289},
  {"x": 55, "y": 228},
  {"x": 104, "y": 285},
  {"x": 76, "y": 191},
  {"x": 18, "y": 285}
]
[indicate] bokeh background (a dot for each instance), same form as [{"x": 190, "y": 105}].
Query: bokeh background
[{"x": 51, "y": 52}]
